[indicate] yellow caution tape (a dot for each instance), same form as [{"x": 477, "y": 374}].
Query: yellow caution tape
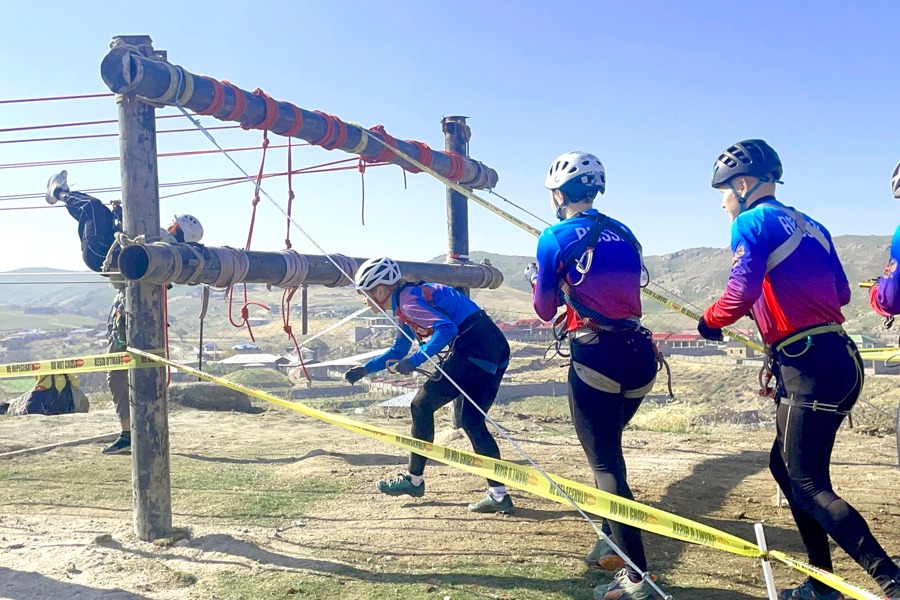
[
  {"x": 867, "y": 284},
  {"x": 589, "y": 499},
  {"x": 114, "y": 361},
  {"x": 881, "y": 354},
  {"x": 830, "y": 579}
]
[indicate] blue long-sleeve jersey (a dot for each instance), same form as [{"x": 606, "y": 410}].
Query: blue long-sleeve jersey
[
  {"x": 807, "y": 288},
  {"x": 426, "y": 309},
  {"x": 612, "y": 286},
  {"x": 885, "y": 297}
]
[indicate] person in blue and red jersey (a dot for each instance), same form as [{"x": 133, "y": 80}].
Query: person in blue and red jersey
[
  {"x": 786, "y": 274},
  {"x": 591, "y": 264},
  {"x": 479, "y": 355},
  {"x": 884, "y": 296}
]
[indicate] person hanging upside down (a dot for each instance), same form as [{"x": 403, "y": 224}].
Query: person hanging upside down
[
  {"x": 97, "y": 227},
  {"x": 786, "y": 273},
  {"x": 479, "y": 355},
  {"x": 592, "y": 265}
]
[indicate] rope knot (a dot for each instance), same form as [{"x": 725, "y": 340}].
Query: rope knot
[{"x": 255, "y": 200}]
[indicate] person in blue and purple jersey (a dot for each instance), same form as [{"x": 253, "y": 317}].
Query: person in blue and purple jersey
[
  {"x": 591, "y": 264},
  {"x": 786, "y": 274},
  {"x": 884, "y": 296},
  {"x": 478, "y": 357}
]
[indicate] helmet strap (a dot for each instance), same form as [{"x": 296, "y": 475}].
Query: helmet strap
[{"x": 742, "y": 200}]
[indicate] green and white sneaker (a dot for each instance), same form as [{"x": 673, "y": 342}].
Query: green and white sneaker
[
  {"x": 623, "y": 588},
  {"x": 603, "y": 557},
  {"x": 400, "y": 486},
  {"x": 489, "y": 505}
]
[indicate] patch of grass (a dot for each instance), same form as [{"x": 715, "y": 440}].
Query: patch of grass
[
  {"x": 550, "y": 407},
  {"x": 525, "y": 580},
  {"x": 671, "y": 418},
  {"x": 266, "y": 379},
  {"x": 251, "y": 494}
]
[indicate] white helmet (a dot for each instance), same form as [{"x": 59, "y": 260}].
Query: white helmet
[
  {"x": 577, "y": 174},
  {"x": 190, "y": 227},
  {"x": 377, "y": 271},
  {"x": 895, "y": 181}
]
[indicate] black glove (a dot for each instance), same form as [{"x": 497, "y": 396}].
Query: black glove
[
  {"x": 405, "y": 367},
  {"x": 710, "y": 333},
  {"x": 355, "y": 374}
]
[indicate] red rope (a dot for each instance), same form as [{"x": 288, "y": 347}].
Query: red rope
[
  {"x": 425, "y": 156},
  {"x": 218, "y": 97},
  {"x": 286, "y": 319},
  {"x": 290, "y": 202},
  {"x": 76, "y": 124},
  {"x": 74, "y": 161},
  {"x": 240, "y": 101},
  {"x": 341, "y": 137},
  {"x": 107, "y": 135},
  {"x": 298, "y": 122},
  {"x": 79, "y": 97},
  {"x": 271, "y": 112},
  {"x": 384, "y": 155},
  {"x": 457, "y": 166},
  {"x": 329, "y": 128}
]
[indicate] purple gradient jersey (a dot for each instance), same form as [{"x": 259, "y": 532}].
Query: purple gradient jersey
[
  {"x": 611, "y": 286},
  {"x": 807, "y": 288},
  {"x": 885, "y": 297},
  {"x": 442, "y": 315}
]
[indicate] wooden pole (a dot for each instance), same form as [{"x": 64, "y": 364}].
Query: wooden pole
[
  {"x": 144, "y": 314},
  {"x": 456, "y": 139}
]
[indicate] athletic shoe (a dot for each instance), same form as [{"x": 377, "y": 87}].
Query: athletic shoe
[
  {"x": 603, "y": 557},
  {"x": 55, "y": 185},
  {"x": 489, "y": 505},
  {"x": 806, "y": 591},
  {"x": 122, "y": 445},
  {"x": 400, "y": 486},
  {"x": 623, "y": 588}
]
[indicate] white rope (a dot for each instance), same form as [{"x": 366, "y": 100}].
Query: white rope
[
  {"x": 346, "y": 265},
  {"x": 296, "y": 269},
  {"x": 233, "y": 264}
]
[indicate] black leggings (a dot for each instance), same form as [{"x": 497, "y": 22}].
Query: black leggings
[
  {"x": 96, "y": 227},
  {"x": 628, "y": 358},
  {"x": 479, "y": 339},
  {"x": 829, "y": 373}
]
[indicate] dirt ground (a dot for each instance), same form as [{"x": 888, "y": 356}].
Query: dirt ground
[{"x": 66, "y": 532}]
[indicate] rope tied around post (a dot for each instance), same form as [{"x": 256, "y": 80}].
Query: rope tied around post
[
  {"x": 386, "y": 140},
  {"x": 457, "y": 166},
  {"x": 271, "y": 113},
  {"x": 348, "y": 268},
  {"x": 296, "y": 269},
  {"x": 218, "y": 96},
  {"x": 425, "y": 156},
  {"x": 297, "y": 121},
  {"x": 240, "y": 101}
]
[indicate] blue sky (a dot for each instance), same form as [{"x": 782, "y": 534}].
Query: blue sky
[{"x": 655, "y": 89}]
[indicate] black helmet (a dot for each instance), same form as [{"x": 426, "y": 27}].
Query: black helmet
[
  {"x": 895, "y": 181},
  {"x": 755, "y": 158}
]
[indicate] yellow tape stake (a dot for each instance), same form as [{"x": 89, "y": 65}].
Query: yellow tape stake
[
  {"x": 830, "y": 579},
  {"x": 114, "y": 361},
  {"x": 536, "y": 232},
  {"x": 589, "y": 499}
]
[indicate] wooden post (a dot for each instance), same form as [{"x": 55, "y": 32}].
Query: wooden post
[
  {"x": 456, "y": 139},
  {"x": 144, "y": 314}
]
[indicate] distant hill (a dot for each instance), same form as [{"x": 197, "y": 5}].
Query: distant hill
[{"x": 697, "y": 275}]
